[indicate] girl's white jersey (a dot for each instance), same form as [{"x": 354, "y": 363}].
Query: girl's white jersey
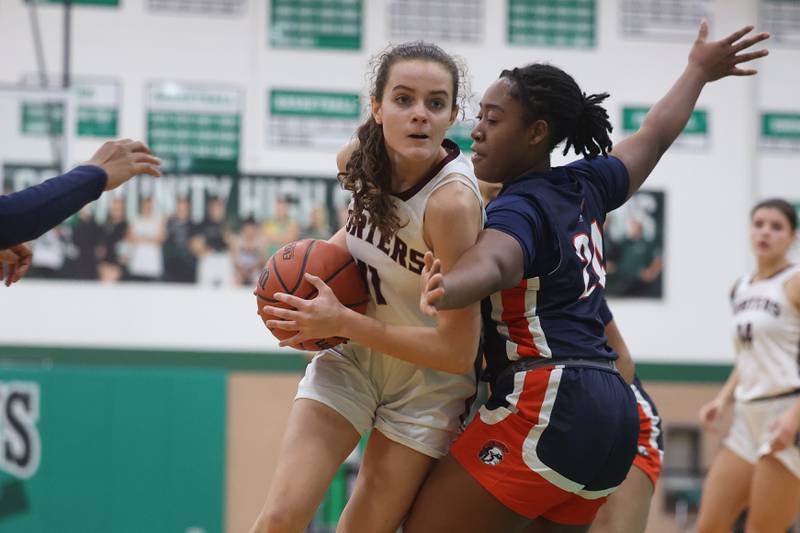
[
  {"x": 393, "y": 264},
  {"x": 767, "y": 336}
]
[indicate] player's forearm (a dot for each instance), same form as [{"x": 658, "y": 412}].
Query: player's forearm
[
  {"x": 726, "y": 394},
  {"x": 664, "y": 122},
  {"x": 27, "y": 214},
  {"x": 671, "y": 113},
  {"x": 493, "y": 264},
  {"x": 469, "y": 285},
  {"x": 423, "y": 346}
]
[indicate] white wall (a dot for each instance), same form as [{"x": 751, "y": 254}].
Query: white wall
[{"x": 708, "y": 193}]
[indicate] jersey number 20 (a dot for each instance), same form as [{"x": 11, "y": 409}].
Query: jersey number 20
[{"x": 590, "y": 252}]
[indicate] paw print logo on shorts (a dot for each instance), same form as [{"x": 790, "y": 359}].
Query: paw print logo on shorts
[{"x": 492, "y": 452}]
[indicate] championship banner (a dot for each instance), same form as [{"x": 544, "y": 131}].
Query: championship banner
[
  {"x": 780, "y": 131},
  {"x": 695, "y": 135},
  {"x": 312, "y": 119},
  {"x": 194, "y": 129},
  {"x": 422, "y": 20},
  {"x": 97, "y": 104},
  {"x": 664, "y": 19},
  {"x": 332, "y": 24},
  {"x": 546, "y": 23}
]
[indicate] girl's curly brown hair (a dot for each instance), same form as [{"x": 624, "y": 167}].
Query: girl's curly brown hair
[{"x": 367, "y": 174}]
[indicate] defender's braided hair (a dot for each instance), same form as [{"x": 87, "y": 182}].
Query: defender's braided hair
[{"x": 550, "y": 94}]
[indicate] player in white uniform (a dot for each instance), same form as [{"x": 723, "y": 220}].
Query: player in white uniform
[
  {"x": 759, "y": 466},
  {"x": 413, "y": 192}
]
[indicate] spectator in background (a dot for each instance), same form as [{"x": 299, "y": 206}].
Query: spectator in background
[
  {"x": 248, "y": 253},
  {"x": 27, "y": 214},
  {"x": 280, "y": 229},
  {"x": 112, "y": 241},
  {"x": 49, "y": 253},
  {"x": 85, "y": 250},
  {"x": 180, "y": 263},
  {"x": 210, "y": 244},
  {"x": 636, "y": 264},
  {"x": 146, "y": 234},
  {"x": 318, "y": 227}
]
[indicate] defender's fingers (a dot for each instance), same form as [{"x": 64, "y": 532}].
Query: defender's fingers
[
  {"x": 738, "y": 34},
  {"x": 702, "y": 32},
  {"x": 742, "y": 72},
  {"x": 750, "y": 41},
  {"x": 749, "y": 56}
]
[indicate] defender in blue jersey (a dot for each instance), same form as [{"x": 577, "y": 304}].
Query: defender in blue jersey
[{"x": 559, "y": 432}]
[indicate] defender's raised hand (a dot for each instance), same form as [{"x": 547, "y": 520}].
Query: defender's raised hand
[{"x": 718, "y": 59}]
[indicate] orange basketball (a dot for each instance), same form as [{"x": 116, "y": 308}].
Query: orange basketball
[{"x": 284, "y": 273}]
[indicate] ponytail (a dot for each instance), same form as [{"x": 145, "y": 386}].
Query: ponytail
[
  {"x": 367, "y": 176},
  {"x": 590, "y": 135}
]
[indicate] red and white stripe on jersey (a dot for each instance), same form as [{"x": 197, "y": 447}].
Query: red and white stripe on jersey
[
  {"x": 514, "y": 311},
  {"x": 649, "y": 456},
  {"x": 535, "y": 394}
]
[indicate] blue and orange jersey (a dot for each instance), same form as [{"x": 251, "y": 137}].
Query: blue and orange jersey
[{"x": 557, "y": 218}]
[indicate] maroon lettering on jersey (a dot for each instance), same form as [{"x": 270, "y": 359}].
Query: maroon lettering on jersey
[
  {"x": 370, "y": 235},
  {"x": 383, "y": 244},
  {"x": 416, "y": 261},
  {"x": 400, "y": 251},
  {"x": 348, "y": 227}
]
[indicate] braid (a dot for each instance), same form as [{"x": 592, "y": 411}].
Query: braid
[
  {"x": 590, "y": 136},
  {"x": 551, "y": 94}
]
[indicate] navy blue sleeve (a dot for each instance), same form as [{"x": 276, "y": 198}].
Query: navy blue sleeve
[
  {"x": 608, "y": 175},
  {"x": 521, "y": 219},
  {"x": 27, "y": 214},
  {"x": 605, "y": 312}
]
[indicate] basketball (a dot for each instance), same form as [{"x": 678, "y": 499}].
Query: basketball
[{"x": 284, "y": 273}]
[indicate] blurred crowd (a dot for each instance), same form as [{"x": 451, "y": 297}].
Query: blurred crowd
[{"x": 150, "y": 247}]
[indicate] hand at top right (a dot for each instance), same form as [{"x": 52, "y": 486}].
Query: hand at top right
[{"x": 718, "y": 59}]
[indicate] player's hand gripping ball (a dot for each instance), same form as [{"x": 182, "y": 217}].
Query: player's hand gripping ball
[{"x": 284, "y": 273}]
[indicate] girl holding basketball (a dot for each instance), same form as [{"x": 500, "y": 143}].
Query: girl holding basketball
[
  {"x": 559, "y": 432},
  {"x": 413, "y": 192},
  {"x": 759, "y": 466}
]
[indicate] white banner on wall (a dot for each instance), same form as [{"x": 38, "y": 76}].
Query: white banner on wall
[
  {"x": 674, "y": 19},
  {"x": 454, "y": 20},
  {"x": 313, "y": 119},
  {"x": 782, "y": 19}
]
